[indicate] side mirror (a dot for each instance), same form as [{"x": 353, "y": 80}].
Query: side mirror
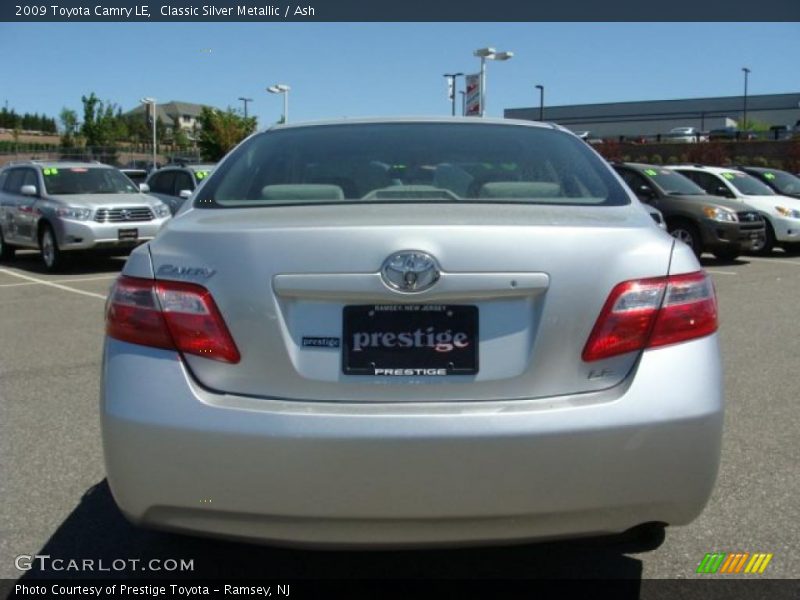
[
  {"x": 724, "y": 191},
  {"x": 185, "y": 194},
  {"x": 29, "y": 190},
  {"x": 646, "y": 192},
  {"x": 144, "y": 188}
]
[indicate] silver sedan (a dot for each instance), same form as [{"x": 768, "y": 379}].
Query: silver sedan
[{"x": 411, "y": 332}]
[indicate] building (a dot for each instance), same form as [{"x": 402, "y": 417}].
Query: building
[
  {"x": 657, "y": 117},
  {"x": 175, "y": 114}
]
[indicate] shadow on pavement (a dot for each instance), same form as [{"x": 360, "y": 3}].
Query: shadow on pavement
[{"x": 97, "y": 530}]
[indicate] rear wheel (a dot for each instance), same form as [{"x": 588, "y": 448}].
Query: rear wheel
[
  {"x": 688, "y": 234},
  {"x": 52, "y": 256},
  {"x": 6, "y": 252}
]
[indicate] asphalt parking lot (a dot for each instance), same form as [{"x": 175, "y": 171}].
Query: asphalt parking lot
[{"x": 56, "y": 501}]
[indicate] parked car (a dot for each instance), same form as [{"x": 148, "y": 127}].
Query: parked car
[
  {"x": 706, "y": 223},
  {"x": 410, "y": 332},
  {"x": 731, "y": 133},
  {"x": 781, "y": 182},
  {"x": 782, "y": 214},
  {"x": 60, "y": 207},
  {"x": 688, "y": 135},
  {"x": 173, "y": 184}
]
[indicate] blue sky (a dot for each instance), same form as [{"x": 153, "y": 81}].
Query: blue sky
[{"x": 361, "y": 69}]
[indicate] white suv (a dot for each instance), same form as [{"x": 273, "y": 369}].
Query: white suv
[{"x": 782, "y": 214}]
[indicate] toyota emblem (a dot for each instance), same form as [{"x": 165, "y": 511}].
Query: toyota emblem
[{"x": 410, "y": 271}]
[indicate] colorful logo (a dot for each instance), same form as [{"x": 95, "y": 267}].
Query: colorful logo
[{"x": 734, "y": 562}]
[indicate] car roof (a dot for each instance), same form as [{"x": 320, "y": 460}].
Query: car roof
[
  {"x": 716, "y": 170},
  {"x": 409, "y": 120},
  {"x": 761, "y": 169},
  {"x": 193, "y": 167},
  {"x": 636, "y": 165}
]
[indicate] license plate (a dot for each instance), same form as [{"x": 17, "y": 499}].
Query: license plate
[
  {"x": 128, "y": 235},
  {"x": 410, "y": 340}
]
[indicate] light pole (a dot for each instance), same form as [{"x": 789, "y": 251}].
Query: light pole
[
  {"x": 744, "y": 116},
  {"x": 451, "y": 80},
  {"x": 151, "y": 102},
  {"x": 245, "y": 101},
  {"x": 281, "y": 88},
  {"x": 488, "y": 54},
  {"x": 541, "y": 101}
]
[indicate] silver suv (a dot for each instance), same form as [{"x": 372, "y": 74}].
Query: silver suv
[{"x": 57, "y": 207}]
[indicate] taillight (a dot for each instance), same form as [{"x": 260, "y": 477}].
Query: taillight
[
  {"x": 169, "y": 314},
  {"x": 647, "y": 313}
]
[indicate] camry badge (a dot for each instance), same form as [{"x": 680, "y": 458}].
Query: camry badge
[{"x": 410, "y": 271}]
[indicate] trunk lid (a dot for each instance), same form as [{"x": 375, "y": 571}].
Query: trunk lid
[{"x": 538, "y": 275}]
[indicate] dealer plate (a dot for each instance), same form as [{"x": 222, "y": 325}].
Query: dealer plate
[{"x": 410, "y": 340}]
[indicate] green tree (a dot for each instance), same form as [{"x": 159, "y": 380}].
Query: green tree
[
  {"x": 221, "y": 131},
  {"x": 69, "y": 127},
  {"x": 100, "y": 127}
]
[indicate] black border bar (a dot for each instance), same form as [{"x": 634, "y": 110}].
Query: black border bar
[{"x": 398, "y": 11}]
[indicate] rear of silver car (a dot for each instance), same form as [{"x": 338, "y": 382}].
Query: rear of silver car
[{"x": 406, "y": 373}]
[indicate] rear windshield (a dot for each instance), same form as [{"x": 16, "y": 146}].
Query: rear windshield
[
  {"x": 747, "y": 184},
  {"x": 86, "y": 180},
  {"x": 412, "y": 162}
]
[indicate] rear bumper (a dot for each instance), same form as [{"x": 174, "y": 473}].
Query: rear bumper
[{"x": 313, "y": 473}]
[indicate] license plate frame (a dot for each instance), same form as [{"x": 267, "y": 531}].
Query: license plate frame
[
  {"x": 128, "y": 234},
  {"x": 376, "y": 340}
]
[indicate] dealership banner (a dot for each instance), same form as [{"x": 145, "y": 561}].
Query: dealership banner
[{"x": 473, "y": 99}]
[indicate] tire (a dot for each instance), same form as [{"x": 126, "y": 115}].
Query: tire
[
  {"x": 727, "y": 254},
  {"x": 688, "y": 234},
  {"x": 52, "y": 256},
  {"x": 6, "y": 252},
  {"x": 769, "y": 239}
]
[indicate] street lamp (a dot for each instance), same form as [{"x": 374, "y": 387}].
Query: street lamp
[
  {"x": 280, "y": 88},
  {"x": 245, "y": 101},
  {"x": 541, "y": 101},
  {"x": 488, "y": 54},
  {"x": 451, "y": 80},
  {"x": 744, "y": 117},
  {"x": 151, "y": 102}
]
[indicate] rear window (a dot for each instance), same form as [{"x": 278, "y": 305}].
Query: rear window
[
  {"x": 86, "y": 180},
  {"x": 412, "y": 162}
]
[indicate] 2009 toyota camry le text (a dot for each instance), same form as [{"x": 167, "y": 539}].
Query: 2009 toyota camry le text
[{"x": 405, "y": 332}]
